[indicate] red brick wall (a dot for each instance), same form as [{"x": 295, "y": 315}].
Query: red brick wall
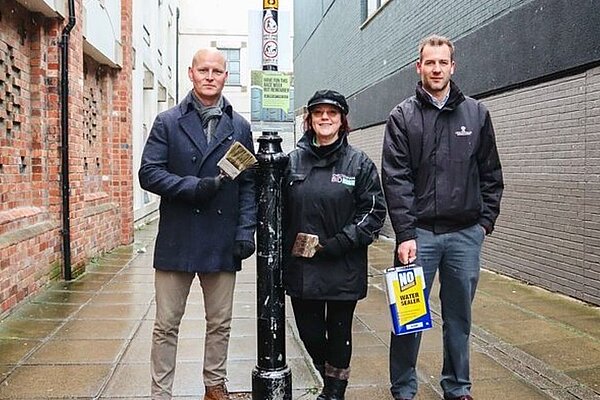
[
  {"x": 122, "y": 149},
  {"x": 30, "y": 151}
]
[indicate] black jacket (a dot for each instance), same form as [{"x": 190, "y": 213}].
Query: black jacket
[
  {"x": 440, "y": 168},
  {"x": 338, "y": 195}
]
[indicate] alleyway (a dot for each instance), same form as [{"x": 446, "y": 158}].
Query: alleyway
[{"x": 91, "y": 339}]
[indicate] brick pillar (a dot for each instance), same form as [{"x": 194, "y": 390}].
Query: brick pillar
[
  {"x": 123, "y": 139},
  {"x": 79, "y": 233}
]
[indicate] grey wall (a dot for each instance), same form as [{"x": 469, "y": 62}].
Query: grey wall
[
  {"x": 539, "y": 41},
  {"x": 549, "y": 229},
  {"x": 500, "y": 45},
  {"x": 334, "y": 48},
  {"x": 536, "y": 65}
]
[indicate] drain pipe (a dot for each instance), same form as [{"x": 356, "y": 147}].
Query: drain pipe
[
  {"x": 177, "y": 56},
  {"x": 64, "y": 124}
]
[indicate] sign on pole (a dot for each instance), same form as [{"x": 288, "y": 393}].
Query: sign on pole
[
  {"x": 271, "y": 4},
  {"x": 270, "y": 27}
]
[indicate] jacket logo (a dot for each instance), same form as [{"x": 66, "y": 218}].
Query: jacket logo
[
  {"x": 463, "y": 132},
  {"x": 343, "y": 179}
]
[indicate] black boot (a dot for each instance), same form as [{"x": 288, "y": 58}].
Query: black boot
[
  {"x": 324, "y": 395},
  {"x": 335, "y": 389},
  {"x": 334, "y": 383}
]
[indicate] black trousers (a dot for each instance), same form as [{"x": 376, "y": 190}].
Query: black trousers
[{"x": 325, "y": 328}]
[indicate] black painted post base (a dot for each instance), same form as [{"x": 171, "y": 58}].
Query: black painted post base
[{"x": 272, "y": 385}]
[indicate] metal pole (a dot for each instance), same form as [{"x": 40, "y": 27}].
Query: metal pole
[{"x": 271, "y": 378}]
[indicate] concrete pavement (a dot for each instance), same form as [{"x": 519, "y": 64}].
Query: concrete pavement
[{"x": 90, "y": 338}]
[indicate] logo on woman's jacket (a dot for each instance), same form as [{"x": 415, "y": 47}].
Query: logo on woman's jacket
[{"x": 343, "y": 179}]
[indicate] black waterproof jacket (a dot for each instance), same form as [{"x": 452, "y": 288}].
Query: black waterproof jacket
[
  {"x": 337, "y": 194},
  {"x": 440, "y": 168}
]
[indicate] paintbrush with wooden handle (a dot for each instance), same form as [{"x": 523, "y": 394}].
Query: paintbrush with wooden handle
[{"x": 237, "y": 159}]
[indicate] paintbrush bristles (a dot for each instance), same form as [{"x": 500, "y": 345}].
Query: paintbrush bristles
[
  {"x": 237, "y": 159},
  {"x": 240, "y": 156}
]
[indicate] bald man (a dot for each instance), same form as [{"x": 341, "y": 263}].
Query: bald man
[{"x": 207, "y": 223}]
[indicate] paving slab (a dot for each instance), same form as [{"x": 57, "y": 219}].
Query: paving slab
[
  {"x": 55, "y": 381},
  {"x": 47, "y": 311},
  {"x": 13, "y": 350},
  {"x": 96, "y": 329},
  {"x": 15, "y": 328},
  {"x": 62, "y": 297},
  {"x": 76, "y": 352}
]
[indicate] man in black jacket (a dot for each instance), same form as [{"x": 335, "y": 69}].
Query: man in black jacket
[{"x": 443, "y": 183}]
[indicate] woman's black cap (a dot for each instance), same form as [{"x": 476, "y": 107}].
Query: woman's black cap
[{"x": 327, "y": 96}]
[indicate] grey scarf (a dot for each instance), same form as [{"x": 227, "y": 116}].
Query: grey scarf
[{"x": 209, "y": 115}]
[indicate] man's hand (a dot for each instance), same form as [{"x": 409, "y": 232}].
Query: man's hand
[
  {"x": 407, "y": 251},
  {"x": 207, "y": 188},
  {"x": 243, "y": 249},
  {"x": 332, "y": 247}
]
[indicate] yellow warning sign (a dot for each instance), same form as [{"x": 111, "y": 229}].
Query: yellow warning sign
[{"x": 271, "y": 4}]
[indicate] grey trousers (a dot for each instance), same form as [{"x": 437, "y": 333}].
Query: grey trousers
[
  {"x": 456, "y": 256},
  {"x": 172, "y": 289}
]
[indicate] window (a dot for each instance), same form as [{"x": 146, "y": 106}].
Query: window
[
  {"x": 233, "y": 66},
  {"x": 370, "y": 7}
]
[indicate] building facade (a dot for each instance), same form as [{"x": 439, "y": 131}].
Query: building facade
[
  {"x": 234, "y": 27},
  {"x": 534, "y": 63},
  {"x": 154, "y": 78},
  {"x": 98, "y": 146}
]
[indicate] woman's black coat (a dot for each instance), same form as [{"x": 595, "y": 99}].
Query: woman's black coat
[{"x": 336, "y": 195}]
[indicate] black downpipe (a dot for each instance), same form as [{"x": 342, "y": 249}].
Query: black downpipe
[
  {"x": 64, "y": 125},
  {"x": 177, "y": 56}
]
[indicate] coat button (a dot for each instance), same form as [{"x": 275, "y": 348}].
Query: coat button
[
  {"x": 219, "y": 212},
  {"x": 194, "y": 159},
  {"x": 197, "y": 210}
]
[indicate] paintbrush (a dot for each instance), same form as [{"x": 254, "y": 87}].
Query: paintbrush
[{"x": 237, "y": 159}]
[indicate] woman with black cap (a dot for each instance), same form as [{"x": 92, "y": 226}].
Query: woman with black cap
[{"x": 332, "y": 194}]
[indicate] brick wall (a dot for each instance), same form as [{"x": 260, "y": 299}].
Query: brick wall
[
  {"x": 122, "y": 188},
  {"x": 548, "y": 232},
  {"x": 29, "y": 233},
  {"x": 30, "y": 151},
  {"x": 549, "y": 228}
]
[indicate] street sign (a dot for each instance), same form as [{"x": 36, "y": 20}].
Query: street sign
[{"x": 270, "y": 49}]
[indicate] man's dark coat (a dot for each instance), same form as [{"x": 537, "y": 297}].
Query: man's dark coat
[{"x": 197, "y": 236}]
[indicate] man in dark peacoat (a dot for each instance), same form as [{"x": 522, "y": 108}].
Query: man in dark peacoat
[{"x": 207, "y": 223}]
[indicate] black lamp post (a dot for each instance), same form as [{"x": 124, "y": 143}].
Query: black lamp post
[{"x": 271, "y": 377}]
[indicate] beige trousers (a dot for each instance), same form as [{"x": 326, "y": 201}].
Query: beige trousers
[{"x": 172, "y": 289}]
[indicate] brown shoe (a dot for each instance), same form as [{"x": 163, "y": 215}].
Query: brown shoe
[{"x": 217, "y": 392}]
